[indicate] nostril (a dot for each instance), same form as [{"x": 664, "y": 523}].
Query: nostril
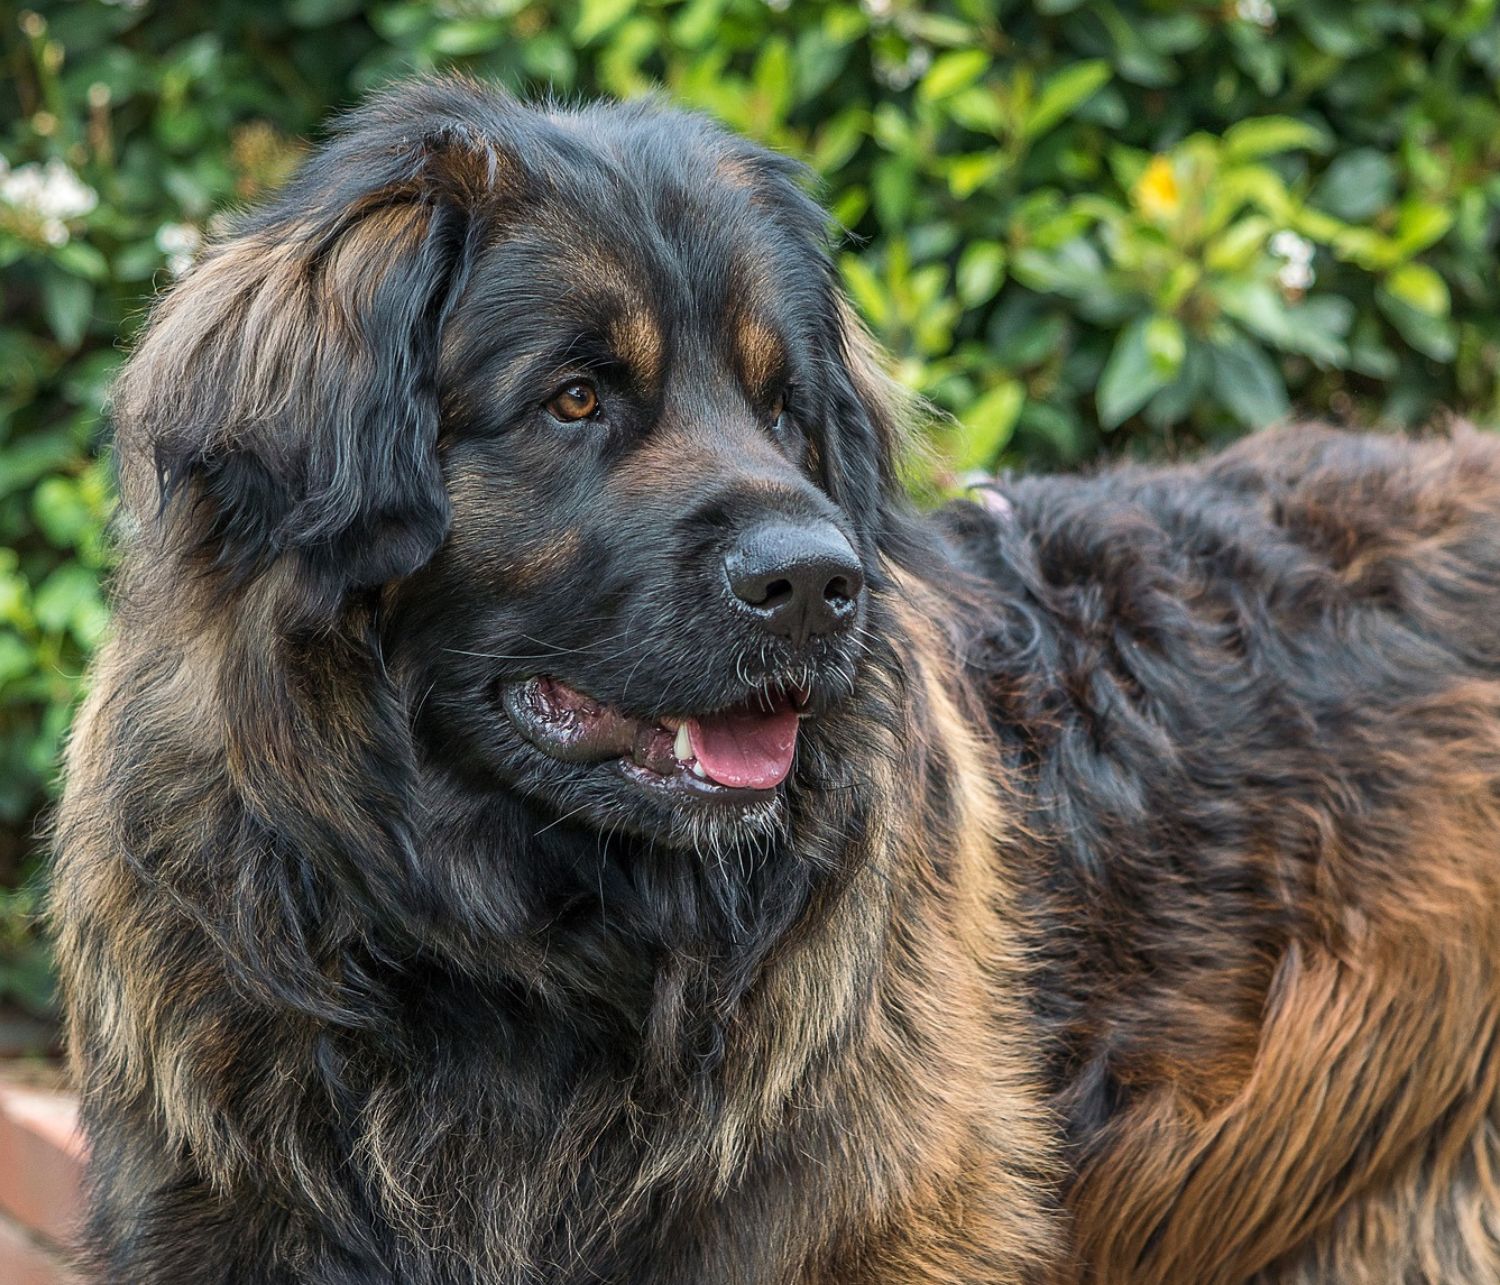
[
  {"x": 777, "y": 593},
  {"x": 842, "y": 589}
]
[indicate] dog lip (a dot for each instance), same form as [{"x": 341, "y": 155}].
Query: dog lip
[
  {"x": 567, "y": 725},
  {"x": 573, "y": 727}
]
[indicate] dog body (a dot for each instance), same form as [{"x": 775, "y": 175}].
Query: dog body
[
  {"x": 551, "y": 813},
  {"x": 1254, "y": 705}
]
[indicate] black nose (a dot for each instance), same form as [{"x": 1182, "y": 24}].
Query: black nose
[{"x": 800, "y": 580}]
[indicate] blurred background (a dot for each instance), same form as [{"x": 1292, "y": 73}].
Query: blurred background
[{"x": 1082, "y": 227}]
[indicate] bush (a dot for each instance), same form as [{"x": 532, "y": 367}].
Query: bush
[{"x": 1079, "y": 226}]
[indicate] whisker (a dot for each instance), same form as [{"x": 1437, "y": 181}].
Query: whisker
[
  {"x": 582, "y": 807},
  {"x": 553, "y": 650}
]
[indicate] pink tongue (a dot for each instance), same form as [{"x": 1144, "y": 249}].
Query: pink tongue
[{"x": 746, "y": 749}]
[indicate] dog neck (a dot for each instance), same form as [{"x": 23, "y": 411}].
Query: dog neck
[{"x": 463, "y": 1001}]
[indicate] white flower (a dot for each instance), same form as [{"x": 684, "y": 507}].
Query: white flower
[
  {"x": 46, "y": 197},
  {"x": 904, "y": 73},
  {"x": 1292, "y": 246},
  {"x": 179, "y": 242},
  {"x": 1296, "y": 253},
  {"x": 778, "y": 6},
  {"x": 49, "y": 191},
  {"x": 1296, "y": 277},
  {"x": 1261, "y": 12},
  {"x": 879, "y": 10}
]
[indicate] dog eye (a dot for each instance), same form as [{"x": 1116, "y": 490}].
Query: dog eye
[
  {"x": 778, "y": 413},
  {"x": 577, "y": 401}
]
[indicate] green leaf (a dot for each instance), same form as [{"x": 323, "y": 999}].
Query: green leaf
[
  {"x": 82, "y": 260},
  {"x": 848, "y": 209},
  {"x": 773, "y": 81},
  {"x": 1052, "y": 430},
  {"x": 320, "y": 13},
  {"x": 1024, "y": 332},
  {"x": 1434, "y": 337},
  {"x": 1317, "y": 325},
  {"x": 892, "y": 128},
  {"x": 1369, "y": 354},
  {"x": 549, "y": 59},
  {"x": 696, "y": 22},
  {"x": 1338, "y": 29},
  {"x": 1247, "y": 382},
  {"x": 61, "y": 511},
  {"x": 967, "y": 174},
  {"x": 1421, "y": 224},
  {"x": 838, "y": 140},
  {"x": 988, "y": 424},
  {"x": 951, "y": 72},
  {"x": 937, "y": 29},
  {"x": 1131, "y": 375},
  {"x": 1239, "y": 244},
  {"x": 16, "y": 659},
  {"x": 1134, "y": 57},
  {"x": 977, "y": 108},
  {"x": 595, "y": 17},
  {"x": 1248, "y": 140},
  {"x": 1357, "y": 185},
  {"x": 67, "y": 598},
  {"x": 459, "y": 39},
  {"x": 894, "y": 184},
  {"x": 1063, "y": 93},
  {"x": 981, "y": 270},
  {"x": 869, "y": 295},
  {"x": 1077, "y": 271},
  {"x": 68, "y": 303},
  {"x": 1166, "y": 345},
  {"x": 1420, "y": 287},
  {"x": 1313, "y": 327},
  {"x": 31, "y": 458},
  {"x": 1174, "y": 403}
]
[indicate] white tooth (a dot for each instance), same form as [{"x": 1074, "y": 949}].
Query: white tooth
[
  {"x": 698, "y": 770},
  {"x": 683, "y": 745}
]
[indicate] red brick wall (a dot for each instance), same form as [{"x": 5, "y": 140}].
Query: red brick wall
[{"x": 40, "y": 1178}]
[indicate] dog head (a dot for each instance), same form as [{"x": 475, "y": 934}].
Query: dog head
[{"x": 573, "y": 401}]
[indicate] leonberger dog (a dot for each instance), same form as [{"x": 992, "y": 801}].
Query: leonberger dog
[{"x": 552, "y": 811}]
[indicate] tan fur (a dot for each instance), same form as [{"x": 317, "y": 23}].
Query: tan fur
[
  {"x": 1319, "y": 1104},
  {"x": 1349, "y": 1131},
  {"x": 237, "y": 703}
]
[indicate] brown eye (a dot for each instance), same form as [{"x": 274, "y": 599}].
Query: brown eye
[{"x": 576, "y": 401}]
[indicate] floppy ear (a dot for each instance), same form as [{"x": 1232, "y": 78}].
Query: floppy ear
[{"x": 284, "y": 401}]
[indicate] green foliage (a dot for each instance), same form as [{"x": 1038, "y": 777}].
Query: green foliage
[
  {"x": 25, "y": 964},
  {"x": 1079, "y": 225}
]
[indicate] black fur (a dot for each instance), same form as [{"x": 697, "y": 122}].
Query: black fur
[{"x": 363, "y": 987}]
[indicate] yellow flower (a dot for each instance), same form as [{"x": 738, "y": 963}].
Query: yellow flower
[{"x": 1156, "y": 192}]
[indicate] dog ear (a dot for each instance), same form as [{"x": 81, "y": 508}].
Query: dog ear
[{"x": 284, "y": 402}]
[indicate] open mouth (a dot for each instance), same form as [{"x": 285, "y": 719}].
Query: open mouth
[{"x": 739, "y": 754}]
